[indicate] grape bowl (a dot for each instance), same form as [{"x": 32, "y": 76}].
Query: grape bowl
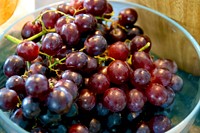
[{"x": 98, "y": 66}]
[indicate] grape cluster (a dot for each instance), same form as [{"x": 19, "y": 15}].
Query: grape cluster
[{"x": 80, "y": 70}]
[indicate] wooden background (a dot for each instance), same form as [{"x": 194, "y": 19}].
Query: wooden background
[{"x": 185, "y": 12}]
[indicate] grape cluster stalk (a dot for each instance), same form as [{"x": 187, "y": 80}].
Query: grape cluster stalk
[{"x": 79, "y": 70}]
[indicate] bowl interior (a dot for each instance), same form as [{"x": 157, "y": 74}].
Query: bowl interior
[{"x": 170, "y": 41}]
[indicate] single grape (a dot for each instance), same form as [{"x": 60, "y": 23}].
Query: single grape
[
  {"x": 95, "y": 7},
  {"x": 28, "y": 50},
  {"x": 176, "y": 83},
  {"x": 73, "y": 76},
  {"x": 95, "y": 45},
  {"x": 166, "y": 64},
  {"x": 59, "y": 100},
  {"x": 37, "y": 86},
  {"x": 117, "y": 34},
  {"x": 114, "y": 99},
  {"x": 142, "y": 60},
  {"x": 118, "y": 51},
  {"x": 134, "y": 31},
  {"x": 127, "y": 16},
  {"x": 108, "y": 12},
  {"x": 118, "y": 72},
  {"x": 143, "y": 128},
  {"x": 38, "y": 68},
  {"x": 30, "y": 107},
  {"x": 140, "y": 77},
  {"x": 140, "y": 41},
  {"x": 91, "y": 67},
  {"x": 94, "y": 126},
  {"x": 77, "y": 7},
  {"x": 161, "y": 76},
  {"x": 156, "y": 94},
  {"x": 170, "y": 97},
  {"x": 18, "y": 118},
  {"x": 85, "y": 23},
  {"x": 14, "y": 65},
  {"x": 99, "y": 83},
  {"x": 52, "y": 43},
  {"x": 70, "y": 35},
  {"x": 86, "y": 100},
  {"x": 31, "y": 28},
  {"x": 64, "y": 7},
  {"x": 135, "y": 100},
  {"x": 78, "y": 128},
  {"x": 76, "y": 61},
  {"x": 8, "y": 99},
  {"x": 49, "y": 17},
  {"x": 69, "y": 85},
  {"x": 160, "y": 124},
  {"x": 61, "y": 21},
  {"x": 17, "y": 84},
  {"x": 114, "y": 119}
]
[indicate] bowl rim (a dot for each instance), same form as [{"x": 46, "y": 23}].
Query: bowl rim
[{"x": 176, "y": 24}]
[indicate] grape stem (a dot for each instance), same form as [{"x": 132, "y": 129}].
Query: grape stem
[
  {"x": 144, "y": 47},
  {"x": 13, "y": 39},
  {"x": 57, "y": 62}
]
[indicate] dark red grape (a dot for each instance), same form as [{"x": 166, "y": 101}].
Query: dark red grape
[
  {"x": 160, "y": 124},
  {"x": 73, "y": 76},
  {"x": 138, "y": 42},
  {"x": 134, "y": 31},
  {"x": 28, "y": 50},
  {"x": 63, "y": 52},
  {"x": 170, "y": 97},
  {"x": 135, "y": 100},
  {"x": 142, "y": 60},
  {"x": 118, "y": 72},
  {"x": 91, "y": 67},
  {"x": 77, "y": 7},
  {"x": 95, "y": 7},
  {"x": 140, "y": 77},
  {"x": 38, "y": 68},
  {"x": 61, "y": 21},
  {"x": 18, "y": 118},
  {"x": 99, "y": 83},
  {"x": 176, "y": 83},
  {"x": 118, "y": 51},
  {"x": 127, "y": 16},
  {"x": 86, "y": 100},
  {"x": 85, "y": 23},
  {"x": 114, "y": 99},
  {"x": 95, "y": 45},
  {"x": 107, "y": 13},
  {"x": 64, "y": 7},
  {"x": 161, "y": 76},
  {"x": 76, "y": 61},
  {"x": 117, "y": 34},
  {"x": 31, "y": 28},
  {"x": 50, "y": 17},
  {"x": 52, "y": 43},
  {"x": 37, "y": 86},
  {"x": 166, "y": 64},
  {"x": 17, "y": 84},
  {"x": 70, "y": 86},
  {"x": 78, "y": 128},
  {"x": 14, "y": 65},
  {"x": 143, "y": 128},
  {"x": 156, "y": 94},
  {"x": 30, "y": 107},
  {"x": 59, "y": 100},
  {"x": 8, "y": 99},
  {"x": 70, "y": 34},
  {"x": 94, "y": 126}
]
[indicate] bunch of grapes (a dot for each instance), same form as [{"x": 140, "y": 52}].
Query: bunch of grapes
[{"x": 80, "y": 70}]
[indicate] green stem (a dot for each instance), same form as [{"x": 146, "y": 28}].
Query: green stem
[
  {"x": 13, "y": 39},
  {"x": 57, "y": 62},
  {"x": 144, "y": 47},
  {"x": 37, "y": 35}
]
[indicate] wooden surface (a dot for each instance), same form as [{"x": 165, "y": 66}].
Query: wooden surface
[{"x": 187, "y": 14}]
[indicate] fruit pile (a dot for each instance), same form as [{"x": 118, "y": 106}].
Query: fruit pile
[{"x": 80, "y": 70}]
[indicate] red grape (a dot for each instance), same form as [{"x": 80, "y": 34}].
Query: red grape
[
  {"x": 127, "y": 16},
  {"x": 78, "y": 128}
]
